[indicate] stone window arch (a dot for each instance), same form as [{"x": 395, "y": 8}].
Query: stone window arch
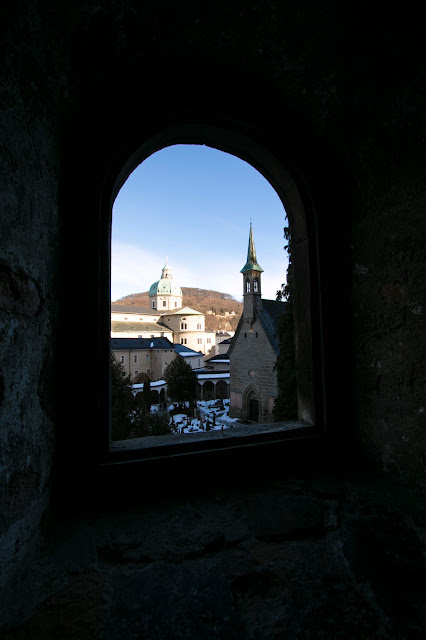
[
  {"x": 301, "y": 217},
  {"x": 222, "y": 389}
]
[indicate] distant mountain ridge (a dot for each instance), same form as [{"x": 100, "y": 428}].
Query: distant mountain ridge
[{"x": 222, "y": 311}]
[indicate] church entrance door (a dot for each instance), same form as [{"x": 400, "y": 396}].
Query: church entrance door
[{"x": 253, "y": 410}]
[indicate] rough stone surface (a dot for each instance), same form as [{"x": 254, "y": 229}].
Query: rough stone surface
[
  {"x": 340, "y": 101},
  {"x": 321, "y": 556}
]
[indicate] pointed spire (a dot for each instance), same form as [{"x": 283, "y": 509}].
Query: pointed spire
[{"x": 251, "y": 264}]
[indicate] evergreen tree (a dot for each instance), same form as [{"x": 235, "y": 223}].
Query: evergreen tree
[
  {"x": 147, "y": 394},
  {"x": 286, "y": 403},
  {"x": 122, "y": 401},
  {"x": 181, "y": 381},
  {"x": 159, "y": 424}
]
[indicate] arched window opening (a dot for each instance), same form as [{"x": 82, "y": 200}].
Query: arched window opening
[{"x": 306, "y": 400}]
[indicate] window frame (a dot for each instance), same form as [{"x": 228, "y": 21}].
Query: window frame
[{"x": 296, "y": 198}]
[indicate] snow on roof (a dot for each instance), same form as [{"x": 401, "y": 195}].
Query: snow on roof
[
  {"x": 157, "y": 383},
  {"x": 203, "y": 376},
  {"x": 184, "y": 351}
]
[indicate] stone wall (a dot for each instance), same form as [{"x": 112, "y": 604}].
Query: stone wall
[
  {"x": 315, "y": 556},
  {"x": 252, "y": 364},
  {"x": 337, "y": 97},
  {"x": 29, "y": 232}
]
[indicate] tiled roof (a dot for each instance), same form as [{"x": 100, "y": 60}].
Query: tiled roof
[
  {"x": 140, "y": 327},
  {"x": 184, "y": 311},
  {"x": 133, "y": 309},
  {"x": 219, "y": 358},
  {"x": 269, "y": 315},
  {"x": 121, "y": 344}
]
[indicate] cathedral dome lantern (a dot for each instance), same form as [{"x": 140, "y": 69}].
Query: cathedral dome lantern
[{"x": 164, "y": 294}]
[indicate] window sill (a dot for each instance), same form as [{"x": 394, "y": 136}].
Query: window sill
[
  {"x": 208, "y": 463},
  {"x": 155, "y": 447}
]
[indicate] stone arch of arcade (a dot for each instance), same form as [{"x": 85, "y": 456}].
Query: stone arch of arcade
[{"x": 211, "y": 388}]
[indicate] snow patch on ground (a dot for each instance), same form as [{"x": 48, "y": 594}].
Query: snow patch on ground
[{"x": 213, "y": 417}]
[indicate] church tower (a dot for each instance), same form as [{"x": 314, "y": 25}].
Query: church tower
[{"x": 252, "y": 282}]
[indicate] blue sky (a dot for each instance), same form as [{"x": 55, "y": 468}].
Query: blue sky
[{"x": 194, "y": 204}]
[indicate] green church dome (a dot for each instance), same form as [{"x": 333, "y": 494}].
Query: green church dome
[{"x": 165, "y": 286}]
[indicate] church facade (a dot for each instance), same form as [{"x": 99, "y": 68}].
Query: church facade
[{"x": 254, "y": 349}]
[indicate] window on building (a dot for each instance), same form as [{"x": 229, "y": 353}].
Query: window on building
[
  {"x": 256, "y": 285},
  {"x": 136, "y": 372},
  {"x": 209, "y": 340},
  {"x": 164, "y": 303},
  {"x": 198, "y": 325},
  {"x": 135, "y": 358},
  {"x": 248, "y": 286},
  {"x": 199, "y": 341},
  {"x": 153, "y": 304}
]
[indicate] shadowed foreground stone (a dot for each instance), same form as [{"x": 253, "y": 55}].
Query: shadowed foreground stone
[
  {"x": 18, "y": 293},
  {"x": 301, "y": 566}
]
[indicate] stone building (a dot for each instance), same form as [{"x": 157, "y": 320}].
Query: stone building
[
  {"x": 143, "y": 355},
  {"x": 220, "y": 362},
  {"x": 195, "y": 359},
  {"x": 165, "y": 318},
  {"x": 188, "y": 326},
  {"x": 254, "y": 348},
  {"x": 137, "y": 322},
  {"x": 317, "y": 532}
]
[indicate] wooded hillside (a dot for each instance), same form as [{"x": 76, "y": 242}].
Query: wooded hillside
[{"x": 222, "y": 311}]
